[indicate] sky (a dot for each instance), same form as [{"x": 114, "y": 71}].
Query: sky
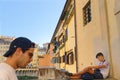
[{"x": 34, "y": 19}]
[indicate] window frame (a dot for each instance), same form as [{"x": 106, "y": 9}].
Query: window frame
[{"x": 87, "y": 17}]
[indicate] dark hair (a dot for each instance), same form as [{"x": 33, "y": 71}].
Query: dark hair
[{"x": 99, "y": 54}]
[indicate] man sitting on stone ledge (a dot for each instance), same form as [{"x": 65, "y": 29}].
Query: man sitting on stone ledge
[{"x": 100, "y": 71}]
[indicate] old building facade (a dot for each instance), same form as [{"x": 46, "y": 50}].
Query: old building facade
[
  {"x": 92, "y": 26},
  {"x": 4, "y": 46},
  {"x": 64, "y": 39}
]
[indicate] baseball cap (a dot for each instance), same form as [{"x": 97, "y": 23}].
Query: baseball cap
[{"x": 21, "y": 42}]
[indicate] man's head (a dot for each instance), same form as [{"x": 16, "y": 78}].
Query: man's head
[
  {"x": 100, "y": 56},
  {"x": 21, "y": 51}
]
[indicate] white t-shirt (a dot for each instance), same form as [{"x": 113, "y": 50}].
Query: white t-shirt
[
  {"x": 104, "y": 71},
  {"x": 7, "y": 72}
]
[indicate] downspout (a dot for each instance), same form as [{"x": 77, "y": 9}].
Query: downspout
[
  {"x": 76, "y": 47},
  {"x": 108, "y": 35}
]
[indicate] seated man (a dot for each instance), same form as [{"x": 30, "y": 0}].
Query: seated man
[{"x": 95, "y": 72}]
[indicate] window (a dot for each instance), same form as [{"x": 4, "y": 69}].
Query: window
[
  {"x": 70, "y": 58},
  {"x": 64, "y": 58},
  {"x": 87, "y": 13},
  {"x": 58, "y": 59},
  {"x": 66, "y": 34},
  {"x": 54, "y": 60}
]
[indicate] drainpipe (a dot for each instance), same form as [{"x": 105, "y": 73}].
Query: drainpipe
[
  {"x": 108, "y": 35},
  {"x": 76, "y": 47}
]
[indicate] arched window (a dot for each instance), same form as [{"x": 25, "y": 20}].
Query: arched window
[
  {"x": 53, "y": 60},
  {"x": 70, "y": 58}
]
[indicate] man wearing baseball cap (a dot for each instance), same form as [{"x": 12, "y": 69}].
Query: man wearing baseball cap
[{"x": 18, "y": 56}]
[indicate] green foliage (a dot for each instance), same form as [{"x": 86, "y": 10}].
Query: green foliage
[{"x": 27, "y": 78}]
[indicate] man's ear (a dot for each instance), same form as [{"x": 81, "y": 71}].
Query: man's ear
[{"x": 18, "y": 51}]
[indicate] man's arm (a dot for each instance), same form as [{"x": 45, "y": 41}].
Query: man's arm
[{"x": 97, "y": 67}]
